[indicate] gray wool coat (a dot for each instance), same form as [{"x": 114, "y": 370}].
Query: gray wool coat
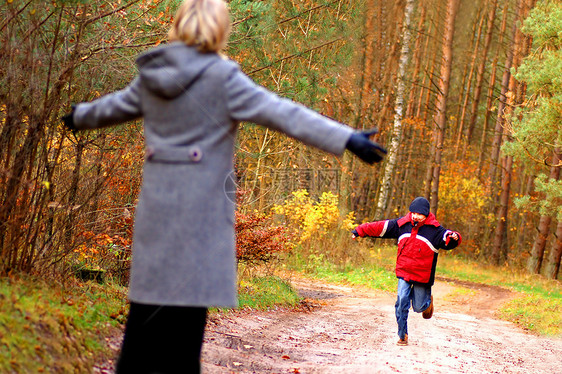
[{"x": 191, "y": 103}]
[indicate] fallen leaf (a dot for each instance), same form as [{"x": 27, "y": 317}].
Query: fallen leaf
[{"x": 285, "y": 357}]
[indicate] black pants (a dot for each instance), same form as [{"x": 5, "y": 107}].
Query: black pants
[{"x": 162, "y": 339}]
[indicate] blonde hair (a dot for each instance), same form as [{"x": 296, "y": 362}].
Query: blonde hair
[{"x": 202, "y": 23}]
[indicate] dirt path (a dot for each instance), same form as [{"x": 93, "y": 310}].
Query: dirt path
[{"x": 352, "y": 330}]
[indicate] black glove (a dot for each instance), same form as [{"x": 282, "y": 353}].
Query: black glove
[
  {"x": 68, "y": 120},
  {"x": 366, "y": 150},
  {"x": 354, "y": 232}
]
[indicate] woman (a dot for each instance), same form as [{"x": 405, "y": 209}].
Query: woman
[{"x": 191, "y": 100}]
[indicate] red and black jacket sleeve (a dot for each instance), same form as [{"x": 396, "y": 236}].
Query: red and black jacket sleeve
[
  {"x": 379, "y": 229},
  {"x": 448, "y": 242}
]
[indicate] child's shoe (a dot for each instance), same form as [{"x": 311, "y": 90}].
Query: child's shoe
[
  {"x": 403, "y": 341},
  {"x": 429, "y": 311}
]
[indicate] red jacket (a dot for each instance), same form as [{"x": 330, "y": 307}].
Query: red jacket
[{"x": 418, "y": 245}]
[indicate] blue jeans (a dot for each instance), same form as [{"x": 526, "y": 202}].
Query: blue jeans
[{"x": 410, "y": 293}]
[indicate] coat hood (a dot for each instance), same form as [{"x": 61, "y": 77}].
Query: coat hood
[
  {"x": 430, "y": 220},
  {"x": 169, "y": 70}
]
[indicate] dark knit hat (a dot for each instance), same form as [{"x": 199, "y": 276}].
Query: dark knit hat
[{"x": 420, "y": 205}]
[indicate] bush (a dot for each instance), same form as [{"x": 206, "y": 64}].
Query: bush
[
  {"x": 105, "y": 248},
  {"x": 319, "y": 226},
  {"x": 258, "y": 241},
  {"x": 463, "y": 204}
]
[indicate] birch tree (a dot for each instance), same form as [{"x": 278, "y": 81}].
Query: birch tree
[{"x": 398, "y": 112}]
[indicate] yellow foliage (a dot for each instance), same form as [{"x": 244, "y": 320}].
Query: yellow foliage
[
  {"x": 462, "y": 197},
  {"x": 468, "y": 189},
  {"x": 309, "y": 218}
]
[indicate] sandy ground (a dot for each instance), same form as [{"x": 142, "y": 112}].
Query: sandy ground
[
  {"x": 352, "y": 330},
  {"x": 342, "y": 329}
]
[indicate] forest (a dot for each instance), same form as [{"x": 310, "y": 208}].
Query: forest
[{"x": 466, "y": 95}]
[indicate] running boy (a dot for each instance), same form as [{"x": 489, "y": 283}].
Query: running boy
[{"x": 420, "y": 237}]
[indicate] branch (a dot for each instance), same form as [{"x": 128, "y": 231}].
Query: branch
[
  {"x": 295, "y": 55},
  {"x": 38, "y": 26},
  {"x": 15, "y": 15},
  {"x": 288, "y": 19},
  {"x": 96, "y": 18},
  {"x": 242, "y": 20},
  {"x": 307, "y": 11},
  {"x": 99, "y": 49},
  {"x": 537, "y": 160}
]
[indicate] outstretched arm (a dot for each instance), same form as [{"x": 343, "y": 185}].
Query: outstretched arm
[
  {"x": 248, "y": 101},
  {"x": 378, "y": 229},
  {"x": 108, "y": 110}
]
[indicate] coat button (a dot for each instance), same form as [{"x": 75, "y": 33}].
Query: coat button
[
  {"x": 195, "y": 154},
  {"x": 148, "y": 153}
]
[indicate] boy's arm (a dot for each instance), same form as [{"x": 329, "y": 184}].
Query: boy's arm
[
  {"x": 381, "y": 229},
  {"x": 451, "y": 239}
]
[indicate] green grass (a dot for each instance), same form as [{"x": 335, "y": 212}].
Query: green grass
[
  {"x": 509, "y": 277},
  {"x": 56, "y": 328},
  {"x": 266, "y": 292},
  {"x": 369, "y": 273},
  {"x": 52, "y": 327},
  {"x": 538, "y": 308},
  {"x": 535, "y": 313}
]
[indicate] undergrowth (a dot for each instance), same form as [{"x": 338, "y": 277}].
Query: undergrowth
[
  {"x": 264, "y": 292},
  {"x": 52, "y": 327},
  {"x": 61, "y": 327},
  {"x": 536, "y": 308},
  {"x": 367, "y": 273}
]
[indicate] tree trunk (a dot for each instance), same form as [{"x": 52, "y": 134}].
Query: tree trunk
[
  {"x": 490, "y": 96},
  {"x": 441, "y": 105},
  {"x": 370, "y": 37},
  {"x": 499, "y": 249},
  {"x": 426, "y": 76},
  {"x": 408, "y": 166},
  {"x": 535, "y": 261},
  {"x": 430, "y": 161},
  {"x": 480, "y": 73},
  {"x": 391, "y": 158},
  {"x": 367, "y": 61},
  {"x": 523, "y": 230},
  {"x": 500, "y": 120},
  {"x": 388, "y": 55},
  {"x": 555, "y": 255},
  {"x": 344, "y": 202},
  {"x": 521, "y": 45},
  {"x": 463, "y": 109},
  {"x": 418, "y": 53}
]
